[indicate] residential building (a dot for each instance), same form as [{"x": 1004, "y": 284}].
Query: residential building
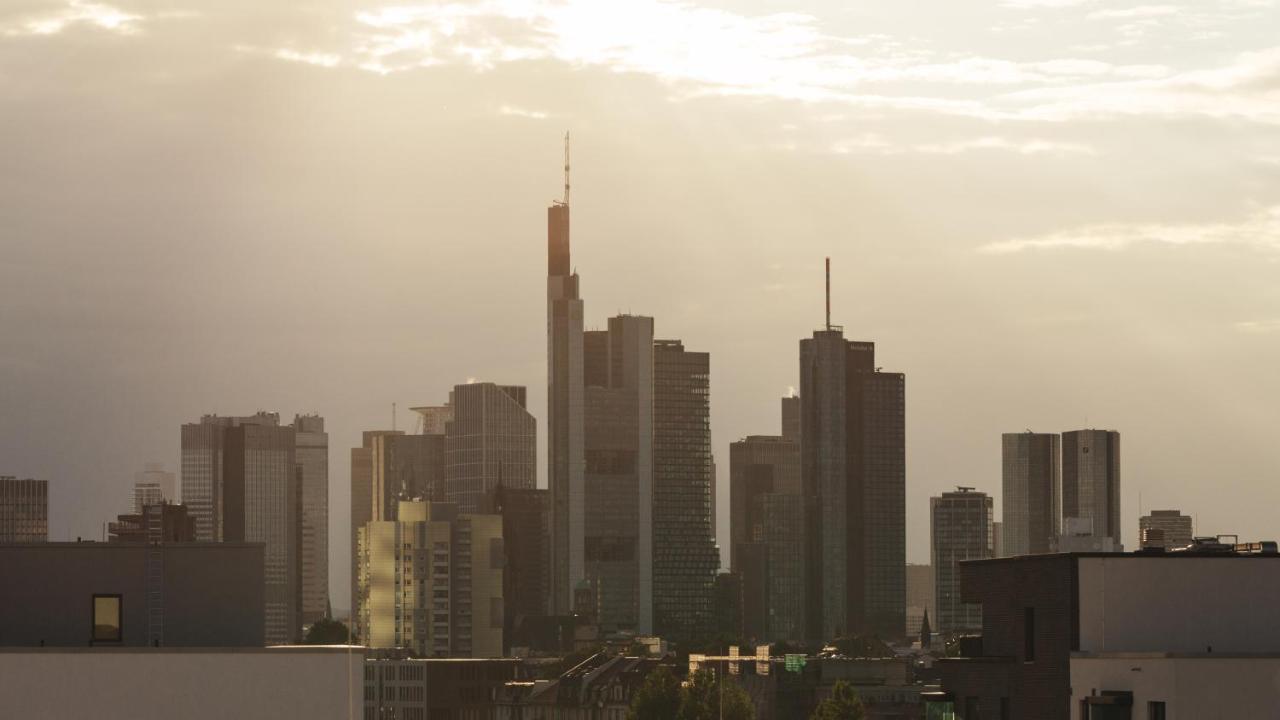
[
  {"x": 1175, "y": 530},
  {"x": 153, "y": 485},
  {"x": 158, "y": 683},
  {"x": 398, "y": 686},
  {"x": 158, "y": 523},
  {"x": 431, "y": 581},
  {"x": 491, "y": 440},
  {"x": 853, "y": 461},
  {"x": 961, "y": 530},
  {"x": 526, "y": 571},
  {"x": 1091, "y": 481},
  {"x": 76, "y": 594},
  {"x": 1052, "y": 623},
  {"x": 1032, "y": 491},
  {"x": 24, "y": 510},
  {"x": 242, "y": 484},
  {"x": 685, "y": 556},
  {"x": 311, "y": 454}
]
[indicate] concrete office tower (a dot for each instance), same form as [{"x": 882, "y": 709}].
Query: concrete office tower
[
  {"x": 242, "y": 484},
  {"x": 997, "y": 539},
  {"x": 312, "y": 455},
  {"x": 1032, "y": 487},
  {"x": 685, "y": 556},
  {"x": 1174, "y": 528},
  {"x": 24, "y": 511},
  {"x": 526, "y": 579},
  {"x": 388, "y": 467},
  {"x": 492, "y": 438},
  {"x": 961, "y": 530},
  {"x": 1091, "y": 481},
  {"x": 791, "y": 419},
  {"x": 431, "y": 582},
  {"x": 853, "y": 462},
  {"x": 920, "y": 598},
  {"x": 565, "y": 410},
  {"x": 152, "y": 485},
  {"x": 618, "y": 497}
]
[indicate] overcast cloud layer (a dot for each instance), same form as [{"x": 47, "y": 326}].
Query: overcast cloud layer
[{"x": 1049, "y": 214}]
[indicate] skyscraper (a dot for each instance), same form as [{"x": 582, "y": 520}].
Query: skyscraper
[
  {"x": 1032, "y": 488},
  {"x": 961, "y": 530},
  {"x": 24, "y": 510},
  {"x": 1174, "y": 529},
  {"x": 853, "y": 461},
  {"x": 312, "y": 456},
  {"x": 1091, "y": 481},
  {"x": 565, "y": 410},
  {"x": 242, "y": 484},
  {"x": 685, "y": 557},
  {"x": 526, "y": 533},
  {"x": 492, "y": 438},
  {"x": 153, "y": 485}
]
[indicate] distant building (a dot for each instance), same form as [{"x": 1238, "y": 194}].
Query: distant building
[
  {"x": 24, "y": 510},
  {"x": 685, "y": 556},
  {"x": 602, "y": 687},
  {"x": 431, "y": 581},
  {"x": 127, "y": 594},
  {"x": 526, "y": 570},
  {"x": 1065, "y": 633},
  {"x": 241, "y": 482},
  {"x": 961, "y": 530},
  {"x": 204, "y": 683},
  {"x": 158, "y": 523},
  {"x": 1078, "y": 537},
  {"x": 997, "y": 539},
  {"x": 853, "y": 461},
  {"x": 920, "y": 598},
  {"x": 312, "y": 457},
  {"x": 491, "y": 438},
  {"x": 1174, "y": 528},
  {"x": 727, "y": 594},
  {"x": 1032, "y": 488},
  {"x": 1091, "y": 481},
  {"x": 153, "y": 485}
]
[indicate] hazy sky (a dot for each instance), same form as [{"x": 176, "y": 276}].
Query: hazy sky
[{"x": 1049, "y": 214}]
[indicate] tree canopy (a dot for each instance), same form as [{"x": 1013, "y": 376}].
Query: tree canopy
[
  {"x": 327, "y": 631},
  {"x": 842, "y": 704},
  {"x": 664, "y": 698}
]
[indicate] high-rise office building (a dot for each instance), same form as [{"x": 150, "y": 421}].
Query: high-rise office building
[
  {"x": 921, "y": 598},
  {"x": 388, "y": 467},
  {"x": 242, "y": 483},
  {"x": 431, "y": 581},
  {"x": 1032, "y": 490},
  {"x": 491, "y": 439},
  {"x": 685, "y": 557},
  {"x": 853, "y": 462},
  {"x": 758, "y": 465},
  {"x": 153, "y": 485},
  {"x": 618, "y": 477},
  {"x": 1168, "y": 529},
  {"x": 312, "y": 456},
  {"x": 158, "y": 523},
  {"x": 1091, "y": 481},
  {"x": 526, "y": 571},
  {"x": 24, "y": 510},
  {"x": 791, "y": 419},
  {"x": 961, "y": 530},
  {"x": 565, "y": 409}
]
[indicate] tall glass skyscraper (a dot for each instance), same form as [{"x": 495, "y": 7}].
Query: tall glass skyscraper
[
  {"x": 1032, "y": 489},
  {"x": 960, "y": 529},
  {"x": 1091, "y": 481}
]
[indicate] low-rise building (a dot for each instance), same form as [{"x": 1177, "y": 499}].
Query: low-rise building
[
  {"x": 599, "y": 688},
  {"x": 158, "y": 522},
  {"x": 397, "y": 686}
]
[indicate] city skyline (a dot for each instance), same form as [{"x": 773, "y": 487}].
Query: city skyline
[{"x": 377, "y": 242}]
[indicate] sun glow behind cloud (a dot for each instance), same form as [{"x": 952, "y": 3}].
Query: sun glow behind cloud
[{"x": 98, "y": 15}]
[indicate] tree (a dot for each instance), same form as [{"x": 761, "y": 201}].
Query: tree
[
  {"x": 842, "y": 704},
  {"x": 705, "y": 699},
  {"x": 327, "y": 631},
  {"x": 658, "y": 698}
]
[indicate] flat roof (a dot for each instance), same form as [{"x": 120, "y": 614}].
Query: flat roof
[
  {"x": 1174, "y": 656},
  {"x": 1127, "y": 556},
  {"x": 233, "y": 650}
]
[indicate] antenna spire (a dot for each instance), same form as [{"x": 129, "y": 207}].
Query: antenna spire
[
  {"x": 566, "y": 167},
  {"x": 828, "y": 294}
]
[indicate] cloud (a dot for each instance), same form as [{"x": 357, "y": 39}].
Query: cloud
[
  {"x": 1258, "y": 327},
  {"x": 1260, "y": 230},
  {"x": 76, "y": 12},
  {"x": 874, "y": 144},
  {"x": 522, "y": 112},
  {"x": 1139, "y": 11}
]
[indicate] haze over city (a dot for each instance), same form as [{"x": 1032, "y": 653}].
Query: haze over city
[{"x": 1048, "y": 214}]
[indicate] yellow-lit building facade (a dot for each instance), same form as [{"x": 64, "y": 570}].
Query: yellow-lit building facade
[{"x": 431, "y": 582}]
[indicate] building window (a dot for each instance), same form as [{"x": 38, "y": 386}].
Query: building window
[
  {"x": 1155, "y": 710},
  {"x": 1028, "y": 634},
  {"x": 107, "y": 617}
]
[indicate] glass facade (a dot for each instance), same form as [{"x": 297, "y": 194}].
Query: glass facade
[
  {"x": 961, "y": 529},
  {"x": 24, "y": 510},
  {"x": 1032, "y": 487},
  {"x": 492, "y": 438}
]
